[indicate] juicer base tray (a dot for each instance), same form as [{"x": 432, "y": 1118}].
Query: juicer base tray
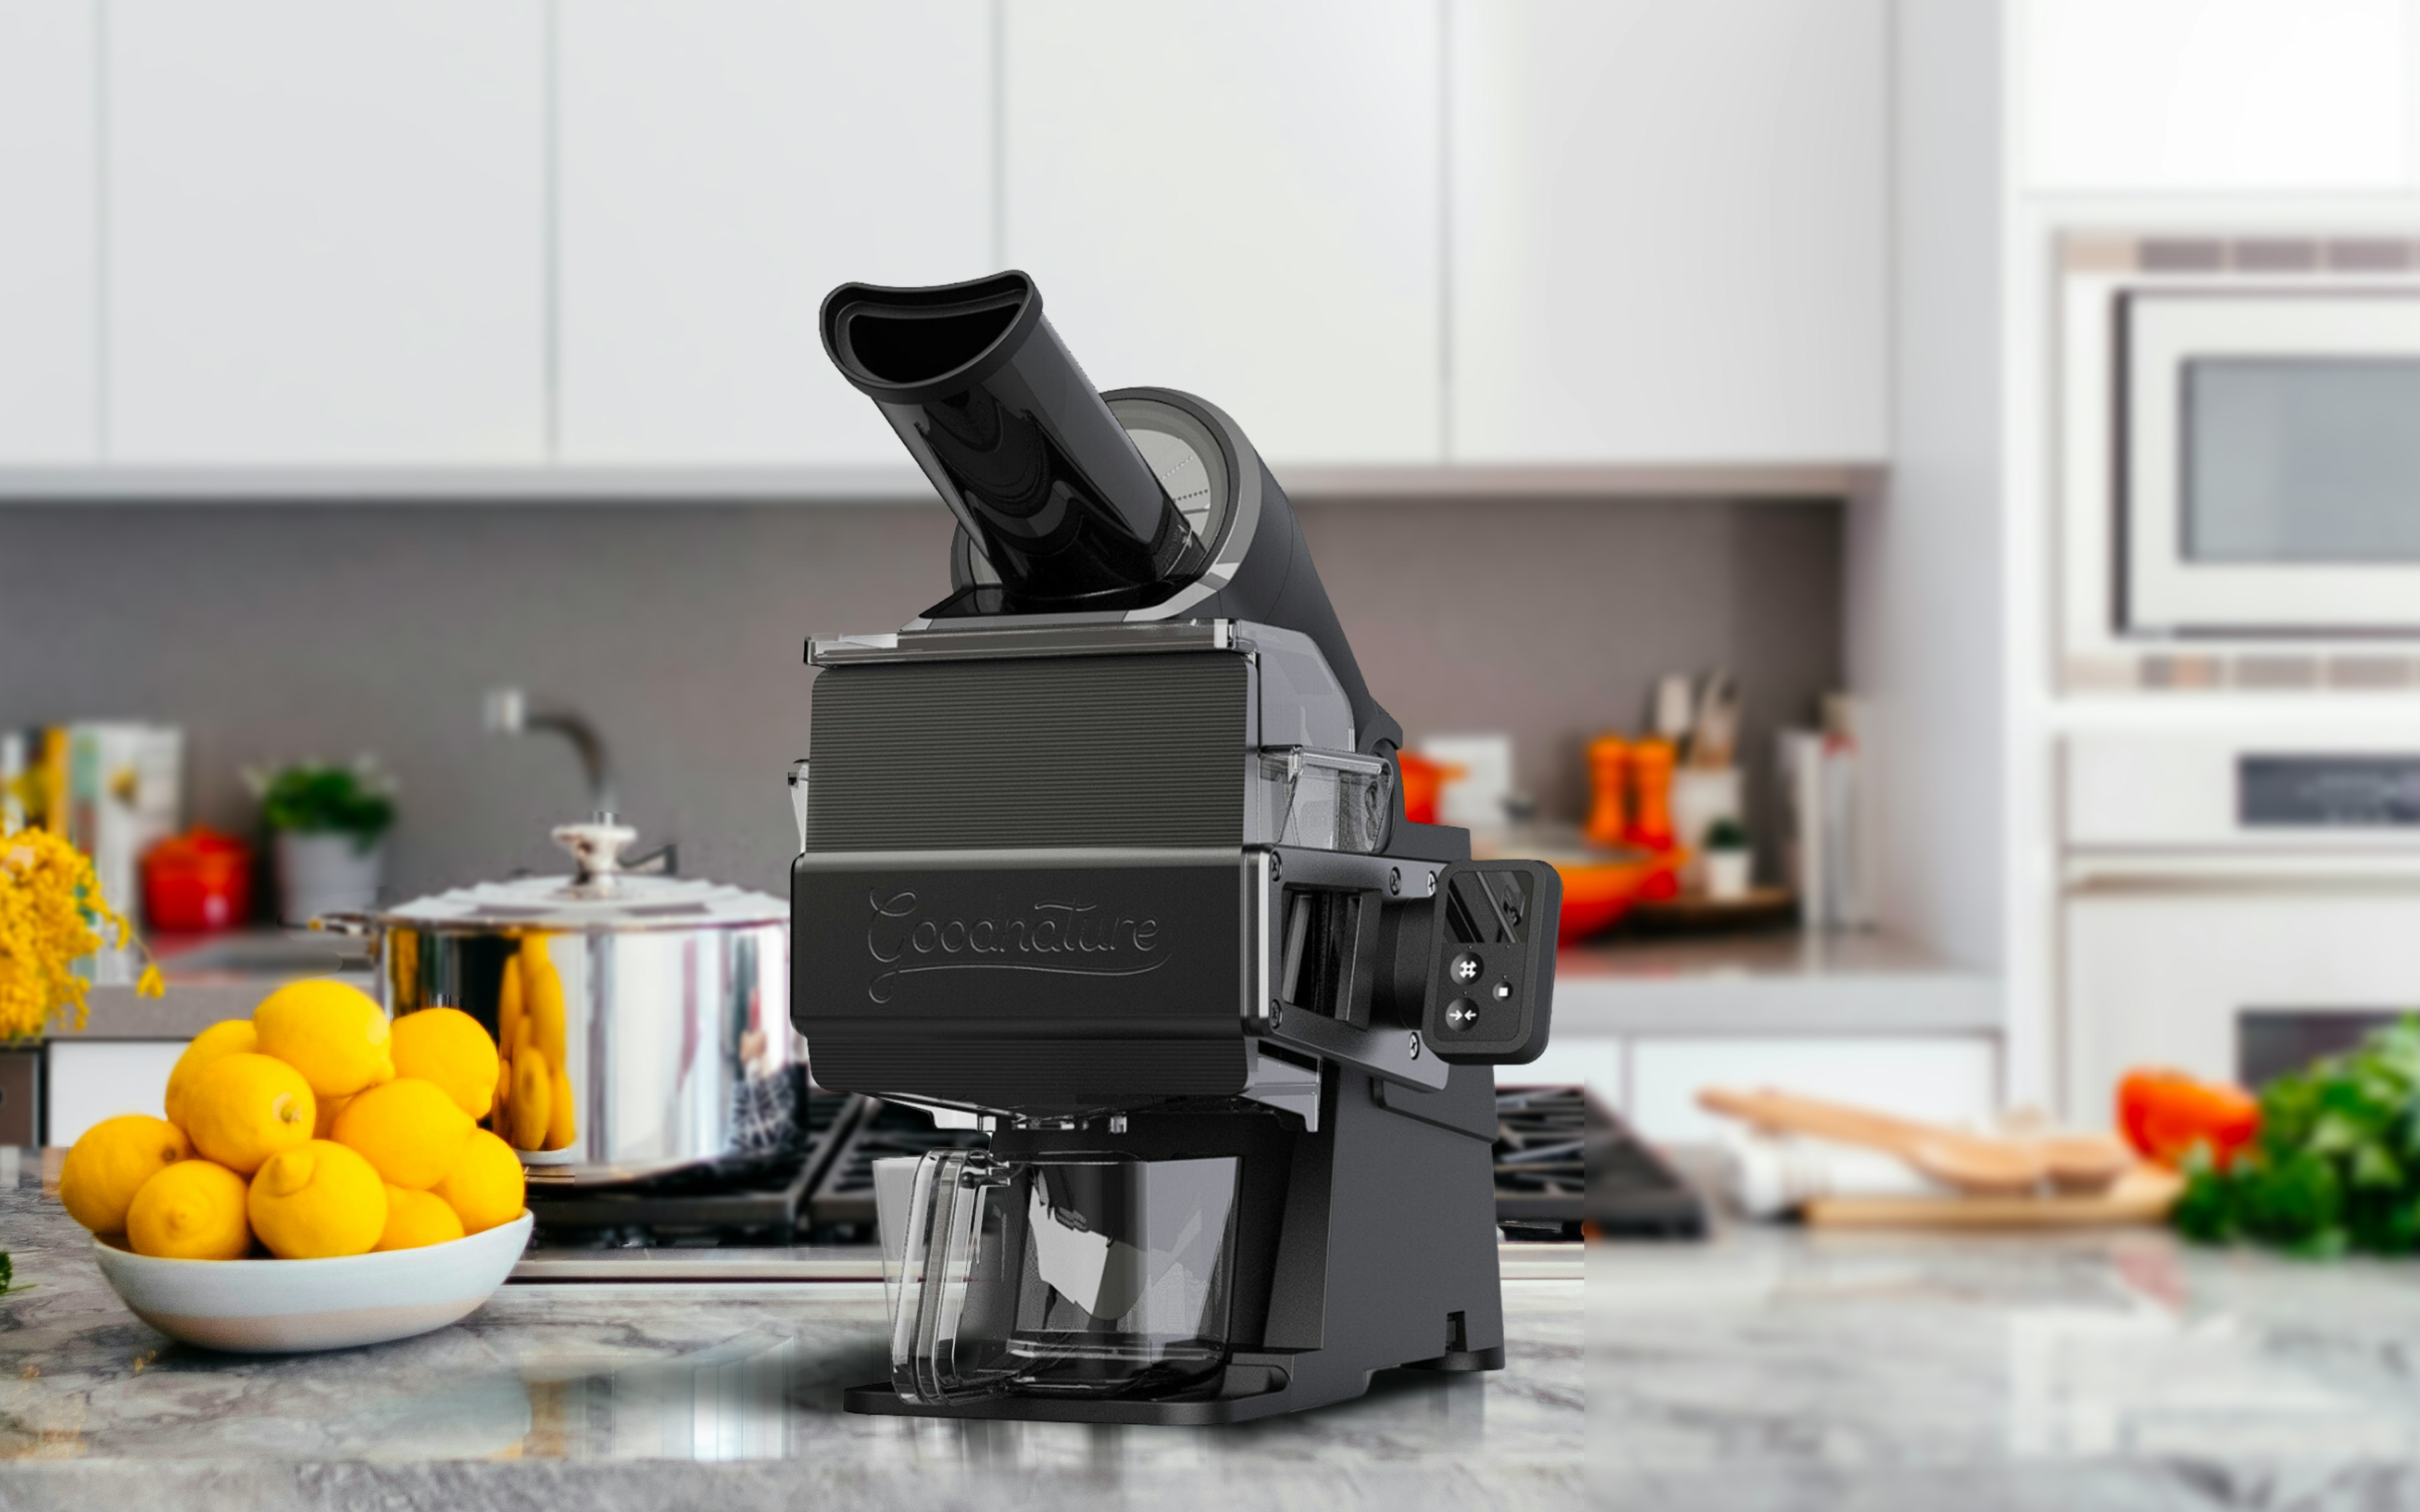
[
  {"x": 1202, "y": 1411},
  {"x": 1198, "y": 1411}
]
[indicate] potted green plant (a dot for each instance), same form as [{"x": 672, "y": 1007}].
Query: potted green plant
[
  {"x": 1729, "y": 860},
  {"x": 329, "y": 824}
]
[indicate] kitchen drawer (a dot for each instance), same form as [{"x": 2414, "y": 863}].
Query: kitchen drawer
[
  {"x": 1946, "y": 1079},
  {"x": 95, "y": 1079},
  {"x": 21, "y": 1097}
]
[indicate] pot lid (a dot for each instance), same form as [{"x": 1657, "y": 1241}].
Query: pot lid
[{"x": 600, "y": 896}]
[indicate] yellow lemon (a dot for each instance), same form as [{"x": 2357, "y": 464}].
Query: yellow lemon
[
  {"x": 324, "y": 1126},
  {"x": 229, "y": 1036},
  {"x": 485, "y": 1188},
  {"x": 501, "y": 1111},
  {"x": 559, "y": 1125},
  {"x": 317, "y": 1200},
  {"x": 335, "y": 1035},
  {"x": 542, "y": 999},
  {"x": 451, "y": 1048},
  {"x": 190, "y": 1211},
  {"x": 409, "y": 1128},
  {"x": 532, "y": 1098},
  {"x": 243, "y": 1109},
  {"x": 417, "y": 1218},
  {"x": 110, "y": 1164},
  {"x": 509, "y": 998}
]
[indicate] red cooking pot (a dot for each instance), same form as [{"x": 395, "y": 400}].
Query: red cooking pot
[{"x": 198, "y": 880}]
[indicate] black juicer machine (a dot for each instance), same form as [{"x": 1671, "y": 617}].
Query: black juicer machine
[{"x": 1105, "y": 854}]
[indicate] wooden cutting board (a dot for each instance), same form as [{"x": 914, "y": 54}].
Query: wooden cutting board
[{"x": 2142, "y": 1195}]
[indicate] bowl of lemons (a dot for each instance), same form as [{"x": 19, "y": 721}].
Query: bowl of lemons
[{"x": 321, "y": 1179}]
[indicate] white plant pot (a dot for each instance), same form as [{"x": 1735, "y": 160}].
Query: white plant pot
[
  {"x": 1726, "y": 874},
  {"x": 324, "y": 873}
]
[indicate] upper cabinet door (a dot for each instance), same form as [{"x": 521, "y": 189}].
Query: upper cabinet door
[
  {"x": 48, "y": 310},
  {"x": 1668, "y": 231},
  {"x": 2217, "y": 94},
  {"x": 722, "y": 169},
  {"x": 326, "y": 232},
  {"x": 1238, "y": 198}
]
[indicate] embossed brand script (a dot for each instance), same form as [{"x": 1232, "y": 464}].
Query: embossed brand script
[{"x": 1067, "y": 939}]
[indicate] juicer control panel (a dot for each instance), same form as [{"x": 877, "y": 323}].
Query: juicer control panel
[{"x": 1490, "y": 986}]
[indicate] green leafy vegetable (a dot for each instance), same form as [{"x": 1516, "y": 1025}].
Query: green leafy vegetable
[
  {"x": 322, "y": 800},
  {"x": 2337, "y": 1166}
]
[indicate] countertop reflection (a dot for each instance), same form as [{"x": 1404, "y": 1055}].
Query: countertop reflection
[
  {"x": 603, "y": 1396},
  {"x": 2118, "y": 1369}
]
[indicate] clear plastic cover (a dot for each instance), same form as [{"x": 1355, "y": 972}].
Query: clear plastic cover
[
  {"x": 1080, "y": 1275},
  {"x": 1329, "y": 801}
]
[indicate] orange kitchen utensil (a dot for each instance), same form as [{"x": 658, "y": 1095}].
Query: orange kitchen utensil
[
  {"x": 1597, "y": 893},
  {"x": 1423, "y": 781},
  {"x": 1608, "y": 821},
  {"x": 1651, "y": 795}
]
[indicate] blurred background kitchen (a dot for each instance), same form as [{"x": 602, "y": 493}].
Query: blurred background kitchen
[{"x": 1707, "y": 419}]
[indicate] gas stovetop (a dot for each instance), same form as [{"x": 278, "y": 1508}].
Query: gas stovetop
[
  {"x": 810, "y": 1214},
  {"x": 822, "y": 1194}
]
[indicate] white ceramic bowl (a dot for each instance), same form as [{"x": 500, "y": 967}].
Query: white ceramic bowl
[{"x": 286, "y": 1307}]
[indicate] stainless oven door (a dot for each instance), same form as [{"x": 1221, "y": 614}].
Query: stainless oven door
[
  {"x": 2269, "y": 463},
  {"x": 2229, "y": 982}
]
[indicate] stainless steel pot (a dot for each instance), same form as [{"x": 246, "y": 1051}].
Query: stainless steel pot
[{"x": 644, "y": 1020}]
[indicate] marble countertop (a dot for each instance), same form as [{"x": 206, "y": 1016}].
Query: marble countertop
[
  {"x": 602, "y": 1396},
  {"x": 1772, "y": 1367},
  {"x": 1782, "y": 1367}
]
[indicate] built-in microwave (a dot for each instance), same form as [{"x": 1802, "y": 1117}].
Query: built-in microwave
[{"x": 2239, "y": 439}]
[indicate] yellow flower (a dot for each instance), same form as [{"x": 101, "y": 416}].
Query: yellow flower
[{"x": 51, "y": 909}]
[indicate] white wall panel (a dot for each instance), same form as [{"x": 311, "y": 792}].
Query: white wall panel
[
  {"x": 722, "y": 168},
  {"x": 327, "y": 232},
  {"x": 49, "y": 411},
  {"x": 1238, "y": 198}
]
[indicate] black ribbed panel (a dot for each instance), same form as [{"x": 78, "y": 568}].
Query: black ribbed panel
[{"x": 1068, "y": 750}]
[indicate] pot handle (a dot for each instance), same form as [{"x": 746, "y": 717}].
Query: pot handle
[{"x": 355, "y": 924}]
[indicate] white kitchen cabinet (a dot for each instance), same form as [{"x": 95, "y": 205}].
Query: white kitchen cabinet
[
  {"x": 89, "y": 1080},
  {"x": 1669, "y": 226},
  {"x": 326, "y": 232},
  {"x": 2217, "y": 94},
  {"x": 720, "y": 171},
  {"x": 1944, "y": 1079},
  {"x": 1238, "y": 198},
  {"x": 48, "y": 413}
]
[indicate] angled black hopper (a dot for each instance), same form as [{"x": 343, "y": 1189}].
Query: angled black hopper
[{"x": 1043, "y": 480}]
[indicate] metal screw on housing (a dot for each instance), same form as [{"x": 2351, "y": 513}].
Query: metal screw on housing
[
  {"x": 1277, "y": 1013},
  {"x": 1412, "y": 1043},
  {"x": 1394, "y": 881},
  {"x": 1276, "y": 866}
]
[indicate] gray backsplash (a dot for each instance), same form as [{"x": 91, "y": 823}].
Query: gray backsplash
[{"x": 283, "y": 631}]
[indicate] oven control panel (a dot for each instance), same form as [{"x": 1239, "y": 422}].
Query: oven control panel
[
  {"x": 2245, "y": 790},
  {"x": 2328, "y": 792}
]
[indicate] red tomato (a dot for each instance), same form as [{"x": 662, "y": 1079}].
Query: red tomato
[{"x": 2166, "y": 1113}]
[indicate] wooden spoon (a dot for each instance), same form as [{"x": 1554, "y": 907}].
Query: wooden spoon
[
  {"x": 2084, "y": 1163},
  {"x": 1971, "y": 1163}
]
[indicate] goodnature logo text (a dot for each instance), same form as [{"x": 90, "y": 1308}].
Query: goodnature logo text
[{"x": 1067, "y": 939}]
